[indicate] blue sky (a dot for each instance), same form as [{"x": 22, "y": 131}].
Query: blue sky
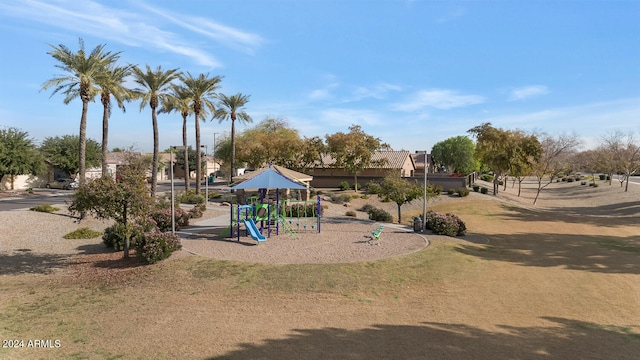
[{"x": 409, "y": 72}]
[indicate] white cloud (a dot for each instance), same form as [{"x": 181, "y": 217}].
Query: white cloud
[
  {"x": 133, "y": 28},
  {"x": 439, "y": 99},
  {"x": 527, "y": 92},
  {"x": 377, "y": 91},
  {"x": 319, "y": 94},
  {"x": 231, "y": 37}
]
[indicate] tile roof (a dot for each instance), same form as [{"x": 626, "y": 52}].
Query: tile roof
[
  {"x": 395, "y": 159},
  {"x": 418, "y": 159}
]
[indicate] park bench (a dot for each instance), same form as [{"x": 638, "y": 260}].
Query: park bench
[{"x": 376, "y": 233}]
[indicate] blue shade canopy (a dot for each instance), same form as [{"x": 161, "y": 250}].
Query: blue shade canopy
[{"x": 269, "y": 179}]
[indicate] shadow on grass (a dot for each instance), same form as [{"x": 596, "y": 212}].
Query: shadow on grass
[
  {"x": 606, "y": 254},
  {"x": 27, "y": 262},
  {"x": 99, "y": 256},
  {"x": 562, "y": 339}
]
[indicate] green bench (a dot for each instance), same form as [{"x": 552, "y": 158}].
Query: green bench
[{"x": 376, "y": 233}]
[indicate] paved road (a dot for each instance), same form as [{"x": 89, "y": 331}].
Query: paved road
[
  {"x": 28, "y": 201},
  {"x": 632, "y": 179}
]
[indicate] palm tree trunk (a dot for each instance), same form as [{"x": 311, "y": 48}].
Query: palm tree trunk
[
  {"x": 185, "y": 153},
  {"x": 233, "y": 149},
  {"x": 105, "y": 138},
  {"x": 154, "y": 166},
  {"x": 198, "y": 153},
  {"x": 82, "y": 148}
]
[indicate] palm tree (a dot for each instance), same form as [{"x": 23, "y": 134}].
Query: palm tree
[
  {"x": 111, "y": 84},
  {"x": 79, "y": 80},
  {"x": 180, "y": 100},
  {"x": 156, "y": 84},
  {"x": 229, "y": 108},
  {"x": 202, "y": 90}
]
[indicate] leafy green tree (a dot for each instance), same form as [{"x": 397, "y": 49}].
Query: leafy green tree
[
  {"x": 201, "y": 90},
  {"x": 271, "y": 141},
  {"x": 79, "y": 81},
  {"x": 354, "y": 150},
  {"x": 493, "y": 148},
  {"x": 506, "y": 152},
  {"x": 230, "y": 108},
  {"x": 180, "y": 100},
  {"x": 62, "y": 152},
  {"x": 121, "y": 200},
  {"x": 456, "y": 154},
  {"x": 309, "y": 155},
  {"x": 18, "y": 154},
  {"x": 400, "y": 191},
  {"x": 525, "y": 152},
  {"x": 180, "y": 161},
  {"x": 154, "y": 92},
  {"x": 111, "y": 84}
]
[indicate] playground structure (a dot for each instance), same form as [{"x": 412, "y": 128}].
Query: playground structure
[
  {"x": 261, "y": 216},
  {"x": 290, "y": 215}
]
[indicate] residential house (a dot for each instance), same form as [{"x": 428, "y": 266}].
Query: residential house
[{"x": 390, "y": 162}]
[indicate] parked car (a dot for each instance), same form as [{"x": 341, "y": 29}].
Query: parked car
[{"x": 65, "y": 184}]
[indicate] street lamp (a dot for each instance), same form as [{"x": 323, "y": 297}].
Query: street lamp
[
  {"x": 206, "y": 180},
  {"x": 424, "y": 192},
  {"x": 424, "y": 201},
  {"x": 173, "y": 206}
]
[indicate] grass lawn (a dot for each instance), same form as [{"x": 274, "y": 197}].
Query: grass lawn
[{"x": 545, "y": 286}]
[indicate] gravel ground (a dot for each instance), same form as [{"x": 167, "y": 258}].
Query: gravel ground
[
  {"x": 32, "y": 242},
  {"x": 339, "y": 241}
]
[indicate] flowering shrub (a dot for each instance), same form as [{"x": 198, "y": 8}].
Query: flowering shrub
[
  {"x": 196, "y": 211},
  {"x": 445, "y": 224},
  {"x": 156, "y": 246},
  {"x": 115, "y": 235},
  {"x": 162, "y": 217}
]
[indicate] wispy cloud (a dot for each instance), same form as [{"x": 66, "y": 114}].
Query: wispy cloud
[
  {"x": 377, "y": 91},
  {"x": 527, "y": 92},
  {"x": 132, "y": 28},
  {"x": 230, "y": 37},
  {"x": 439, "y": 99}
]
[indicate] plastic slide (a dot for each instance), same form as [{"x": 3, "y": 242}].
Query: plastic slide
[{"x": 253, "y": 230}]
